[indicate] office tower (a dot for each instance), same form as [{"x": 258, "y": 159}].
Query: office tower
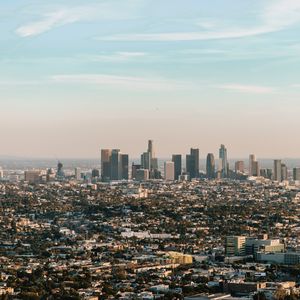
[
  {"x": 1, "y": 173},
  {"x": 134, "y": 169},
  {"x": 223, "y": 162},
  {"x": 150, "y": 162},
  {"x": 124, "y": 166},
  {"x": 60, "y": 171},
  {"x": 154, "y": 163},
  {"x": 146, "y": 160},
  {"x": 77, "y": 174},
  {"x": 255, "y": 168},
  {"x": 142, "y": 174},
  {"x": 284, "y": 172},
  {"x": 105, "y": 164},
  {"x": 95, "y": 173},
  {"x": 177, "y": 160},
  {"x": 277, "y": 170},
  {"x": 32, "y": 176},
  {"x": 192, "y": 163},
  {"x": 239, "y": 167},
  {"x": 210, "y": 166},
  {"x": 296, "y": 174},
  {"x": 115, "y": 165},
  {"x": 263, "y": 173},
  {"x": 153, "y": 160},
  {"x": 269, "y": 173},
  {"x": 252, "y": 159},
  {"x": 235, "y": 245},
  {"x": 151, "y": 148},
  {"x": 169, "y": 168}
]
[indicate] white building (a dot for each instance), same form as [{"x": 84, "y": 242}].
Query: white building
[{"x": 169, "y": 170}]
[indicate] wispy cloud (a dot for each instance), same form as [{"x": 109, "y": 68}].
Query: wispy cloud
[
  {"x": 55, "y": 19},
  {"x": 72, "y": 14},
  {"x": 251, "y": 89},
  {"x": 276, "y": 16},
  {"x": 128, "y": 82},
  {"x": 116, "y": 57}
]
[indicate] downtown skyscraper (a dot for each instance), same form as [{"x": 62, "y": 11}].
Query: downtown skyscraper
[
  {"x": 177, "y": 160},
  {"x": 210, "y": 166},
  {"x": 192, "y": 163},
  {"x": 114, "y": 165},
  {"x": 223, "y": 162}
]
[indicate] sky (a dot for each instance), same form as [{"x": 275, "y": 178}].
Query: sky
[{"x": 80, "y": 75}]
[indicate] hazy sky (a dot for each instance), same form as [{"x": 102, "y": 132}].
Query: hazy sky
[{"x": 80, "y": 75}]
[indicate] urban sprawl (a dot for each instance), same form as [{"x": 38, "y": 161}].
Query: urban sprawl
[{"x": 146, "y": 231}]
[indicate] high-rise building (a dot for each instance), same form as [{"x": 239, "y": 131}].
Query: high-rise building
[
  {"x": 252, "y": 159},
  {"x": 115, "y": 165},
  {"x": 95, "y": 173},
  {"x": 210, "y": 166},
  {"x": 239, "y": 167},
  {"x": 124, "y": 166},
  {"x": 235, "y": 245},
  {"x": 296, "y": 174},
  {"x": 224, "y": 171},
  {"x": 169, "y": 169},
  {"x": 134, "y": 169},
  {"x": 142, "y": 174},
  {"x": 192, "y": 163},
  {"x": 151, "y": 148},
  {"x": 105, "y": 164},
  {"x": 1, "y": 173},
  {"x": 177, "y": 160},
  {"x": 146, "y": 160},
  {"x": 150, "y": 162},
  {"x": 32, "y": 176},
  {"x": 255, "y": 168},
  {"x": 277, "y": 170},
  {"x": 284, "y": 172},
  {"x": 77, "y": 174},
  {"x": 263, "y": 173}
]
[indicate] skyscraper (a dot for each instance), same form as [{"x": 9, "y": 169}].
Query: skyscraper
[
  {"x": 239, "y": 167},
  {"x": 177, "y": 160},
  {"x": 210, "y": 166},
  {"x": 284, "y": 172},
  {"x": 150, "y": 162},
  {"x": 124, "y": 166},
  {"x": 115, "y": 165},
  {"x": 296, "y": 174},
  {"x": 95, "y": 173},
  {"x": 277, "y": 170},
  {"x": 151, "y": 149},
  {"x": 224, "y": 167},
  {"x": 255, "y": 168},
  {"x": 192, "y": 163},
  {"x": 134, "y": 169},
  {"x": 169, "y": 170},
  {"x": 252, "y": 159},
  {"x": 105, "y": 164},
  {"x": 77, "y": 174},
  {"x": 146, "y": 160}
]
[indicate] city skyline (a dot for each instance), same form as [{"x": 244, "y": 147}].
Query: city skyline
[{"x": 77, "y": 77}]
